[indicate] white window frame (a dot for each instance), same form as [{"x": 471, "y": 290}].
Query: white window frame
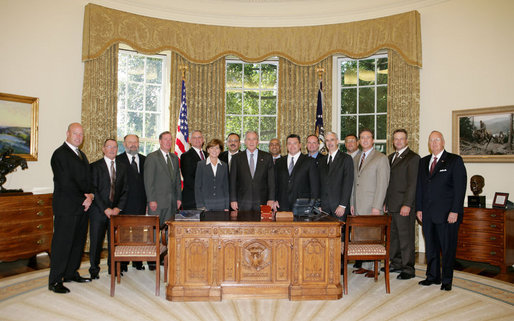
[{"x": 336, "y": 97}]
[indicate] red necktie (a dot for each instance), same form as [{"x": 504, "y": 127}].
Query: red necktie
[
  {"x": 202, "y": 157},
  {"x": 362, "y": 160},
  {"x": 432, "y": 167}
]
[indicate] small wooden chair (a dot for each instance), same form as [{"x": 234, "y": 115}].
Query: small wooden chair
[
  {"x": 136, "y": 238},
  {"x": 373, "y": 248}
]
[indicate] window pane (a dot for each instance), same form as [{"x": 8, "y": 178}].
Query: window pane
[
  {"x": 251, "y": 102},
  {"x": 136, "y": 70},
  {"x": 264, "y": 147},
  {"x": 268, "y": 103},
  {"x": 153, "y": 98},
  {"x": 349, "y": 73},
  {"x": 349, "y": 101},
  {"x": 121, "y": 148},
  {"x": 348, "y": 125},
  {"x": 382, "y": 70},
  {"x": 269, "y": 76},
  {"x": 152, "y": 126},
  {"x": 367, "y": 72},
  {"x": 251, "y": 76},
  {"x": 233, "y": 124},
  {"x": 135, "y": 97},
  {"x": 381, "y": 127},
  {"x": 122, "y": 67},
  {"x": 382, "y": 99},
  {"x": 367, "y": 122},
  {"x": 122, "y": 95},
  {"x": 149, "y": 147},
  {"x": 381, "y": 147},
  {"x": 234, "y": 75},
  {"x": 122, "y": 123},
  {"x": 268, "y": 128},
  {"x": 366, "y": 100},
  {"x": 233, "y": 102},
  {"x": 154, "y": 70},
  {"x": 250, "y": 123},
  {"x": 135, "y": 123}
]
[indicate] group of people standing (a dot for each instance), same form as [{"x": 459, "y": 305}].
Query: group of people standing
[{"x": 357, "y": 182}]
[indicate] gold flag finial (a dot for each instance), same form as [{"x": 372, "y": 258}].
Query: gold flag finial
[
  {"x": 320, "y": 71},
  {"x": 183, "y": 68}
]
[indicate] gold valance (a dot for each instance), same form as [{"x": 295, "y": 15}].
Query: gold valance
[{"x": 199, "y": 43}]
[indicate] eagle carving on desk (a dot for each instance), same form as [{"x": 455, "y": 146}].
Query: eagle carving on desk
[{"x": 256, "y": 256}]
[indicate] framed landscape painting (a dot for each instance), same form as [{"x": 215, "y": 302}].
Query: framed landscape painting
[
  {"x": 19, "y": 125},
  {"x": 484, "y": 134}
]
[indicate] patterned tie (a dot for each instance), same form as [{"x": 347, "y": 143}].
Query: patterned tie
[
  {"x": 134, "y": 164},
  {"x": 252, "y": 165},
  {"x": 113, "y": 182},
  {"x": 395, "y": 158},
  {"x": 362, "y": 160},
  {"x": 432, "y": 167},
  {"x": 329, "y": 161},
  {"x": 79, "y": 154},
  {"x": 291, "y": 166}
]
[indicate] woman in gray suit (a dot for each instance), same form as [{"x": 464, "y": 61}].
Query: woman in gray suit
[{"x": 211, "y": 180}]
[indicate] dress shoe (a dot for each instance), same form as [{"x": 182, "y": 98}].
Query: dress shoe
[
  {"x": 427, "y": 282},
  {"x": 78, "y": 278},
  {"x": 391, "y": 270},
  {"x": 140, "y": 268},
  {"x": 370, "y": 274},
  {"x": 121, "y": 273},
  {"x": 58, "y": 288},
  {"x": 446, "y": 287},
  {"x": 94, "y": 276},
  {"x": 124, "y": 268},
  {"x": 151, "y": 267},
  {"x": 404, "y": 276},
  {"x": 360, "y": 271}
]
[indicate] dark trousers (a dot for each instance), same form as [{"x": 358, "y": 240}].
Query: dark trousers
[
  {"x": 68, "y": 243},
  {"x": 98, "y": 225},
  {"x": 440, "y": 238},
  {"x": 402, "y": 251}
]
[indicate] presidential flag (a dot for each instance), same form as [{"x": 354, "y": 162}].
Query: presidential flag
[
  {"x": 182, "y": 137},
  {"x": 319, "y": 130}
]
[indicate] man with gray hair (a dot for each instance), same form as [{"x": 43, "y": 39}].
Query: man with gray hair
[
  {"x": 252, "y": 177},
  {"x": 188, "y": 163}
]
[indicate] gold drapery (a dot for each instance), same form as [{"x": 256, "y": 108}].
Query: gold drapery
[
  {"x": 205, "y": 94},
  {"x": 402, "y": 100},
  {"x": 206, "y": 43},
  {"x": 99, "y": 101},
  {"x": 297, "y": 98}
]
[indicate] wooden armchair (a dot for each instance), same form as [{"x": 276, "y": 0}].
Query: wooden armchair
[
  {"x": 367, "y": 248},
  {"x": 136, "y": 238}
]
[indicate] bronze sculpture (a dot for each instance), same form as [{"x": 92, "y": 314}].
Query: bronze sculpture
[{"x": 8, "y": 164}]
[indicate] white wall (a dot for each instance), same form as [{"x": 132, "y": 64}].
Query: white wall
[{"x": 467, "y": 46}]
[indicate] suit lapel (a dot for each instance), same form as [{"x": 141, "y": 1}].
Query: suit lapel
[
  {"x": 368, "y": 159},
  {"x": 246, "y": 165},
  {"x": 440, "y": 163},
  {"x": 162, "y": 161},
  {"x": 334, "y": 161},
  {"x": 400, "y": 158},
  {"x": 298, "y": 164}
]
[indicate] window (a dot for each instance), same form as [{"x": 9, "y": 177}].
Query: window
[
  {"x": 362, "y": 97},
  {"x": 142, "y": 97},
  {"x": 251, "y": 99}
]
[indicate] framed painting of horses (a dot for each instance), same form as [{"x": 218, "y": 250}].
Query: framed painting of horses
[
  {"x": 484, "y": 134},
  {"x": 19, "y": 125}
]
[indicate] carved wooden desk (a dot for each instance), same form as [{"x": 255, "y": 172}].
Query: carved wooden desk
[{"x": 247, "y": 258}]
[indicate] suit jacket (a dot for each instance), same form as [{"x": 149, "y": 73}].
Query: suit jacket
[
  {"x": 336, "y": 181},
  {"x": 188, "y": 162},
  {"x": 161, "y": 186},
  {"x": 211, "y": 191},
  {"x": 224, "y": 156},
  {"x": 370, "y": 183},
  {"x": 72, "y": 179},
  {"x": 442, "y": 192},
  {"x": 303, "y": 182},
  {"x": 402, "y": 181},
  {"x": 102, "y": 186},
  {"x": 136, "y": 196},
  {"x": 250, "y": 192}
]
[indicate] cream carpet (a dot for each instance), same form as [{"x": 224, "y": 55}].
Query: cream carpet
[{"x": 26, "y": 297}]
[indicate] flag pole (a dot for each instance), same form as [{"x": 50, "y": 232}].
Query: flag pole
[{"x": 318, "y": 127}]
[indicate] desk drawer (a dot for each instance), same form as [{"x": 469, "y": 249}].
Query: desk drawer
[
  {"x": 493, "y": 227},
  {"x": 31, "y": 214},
  {"x": 483, "y": 253},
  {"x": 24, "y": 246},
  {"x": 476, "y": 214},
  {"x": 480, "y": 238},
  {"x": 15, "y": 230}
]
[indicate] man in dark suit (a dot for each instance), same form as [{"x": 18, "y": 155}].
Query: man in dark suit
[
  {"x": 252, "y": 177},
  {"x": 188, "y": 162},
  {"x": 274, "y": 149},
  {"x": 136, "y": 196},
  {"x": 336, "y": 176},
  {"x": 440, "y": 192},
  {"x": 109, "y": 179},
  {"x": 71, "y": 200},
  {"x": 399, "y": 203},
  {"x": 296, "y": 176},
  {"x": 233, "y": 145},
  {"x": 351, "y": 142}
]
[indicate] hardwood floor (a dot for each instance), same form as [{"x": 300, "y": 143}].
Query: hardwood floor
[{"x": 43, "y": 262}]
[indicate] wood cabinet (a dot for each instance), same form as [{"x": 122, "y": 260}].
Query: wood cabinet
[
  {"x": 215, "y": 260},
  {"x": 26, "y": 225},
  {"x": 487, "y": 235}
]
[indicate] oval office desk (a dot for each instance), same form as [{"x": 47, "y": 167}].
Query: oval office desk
[{"x": 235, "y": 255}]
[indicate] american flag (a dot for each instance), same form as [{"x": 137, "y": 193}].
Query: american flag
[
  {"x": 319, "y": 129},
  {"x": 182, "y": 140}
]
